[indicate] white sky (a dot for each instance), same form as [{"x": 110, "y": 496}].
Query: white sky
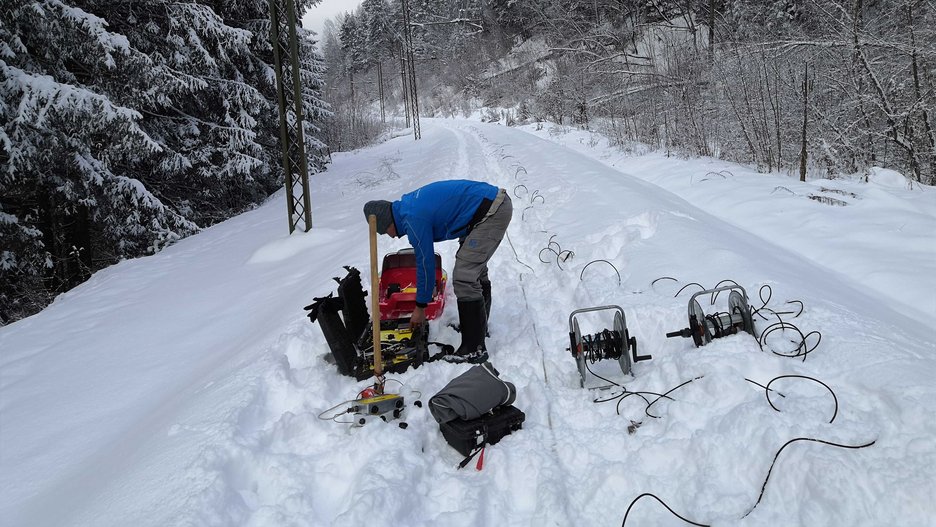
[{"x": 315, "y": 18}]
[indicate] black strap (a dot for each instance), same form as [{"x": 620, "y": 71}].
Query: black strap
[
  {"x": 447, "y": 349},
  {"x": 479, "y": 215},
  {"x": 470, "y": 457}
]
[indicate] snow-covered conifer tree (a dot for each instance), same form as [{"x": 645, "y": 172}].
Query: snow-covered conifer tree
[
  {"x": 71, "y": 196},
  {"x": 126, "y": 125}
]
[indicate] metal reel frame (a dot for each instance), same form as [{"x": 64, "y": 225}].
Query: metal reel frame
[
  {"x": 628, "y": 343},
  {"x": 737, "y": 305},
  {"x": 621, "y": 328}
]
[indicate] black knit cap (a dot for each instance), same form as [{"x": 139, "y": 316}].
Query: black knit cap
[{"x": 384, "y": 212}]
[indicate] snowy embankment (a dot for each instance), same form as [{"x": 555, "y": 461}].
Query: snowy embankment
[{"x": 185, "y": 388}]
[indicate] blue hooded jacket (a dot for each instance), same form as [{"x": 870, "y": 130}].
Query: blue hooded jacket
[{"x": 436, "y": 212}]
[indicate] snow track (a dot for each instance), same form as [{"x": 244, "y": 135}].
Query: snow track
[{"x": 185, "y": 388}]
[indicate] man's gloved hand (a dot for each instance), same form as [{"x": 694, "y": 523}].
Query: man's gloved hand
[{"x": 418, "y": 318}]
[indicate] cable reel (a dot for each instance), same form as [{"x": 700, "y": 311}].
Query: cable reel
[
  {"x": 608, "y": 344},
  {"x": 703, "y": 328}
]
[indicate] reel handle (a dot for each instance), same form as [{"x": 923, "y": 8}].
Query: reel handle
[
  {"x": 632, "y": 342},
  {"x": 684, "y": 333}
]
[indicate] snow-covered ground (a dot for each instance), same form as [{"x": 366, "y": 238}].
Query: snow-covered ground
[{"x": 185, "y": 388}]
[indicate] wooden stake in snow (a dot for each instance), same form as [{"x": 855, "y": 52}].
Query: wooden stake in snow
[{"x": 375, "y": 303}]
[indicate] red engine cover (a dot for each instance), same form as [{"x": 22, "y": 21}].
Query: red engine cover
[{"x": 398, "y": 286}]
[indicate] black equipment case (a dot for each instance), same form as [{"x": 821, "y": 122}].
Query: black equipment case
[{"x": 468, "y": 436}]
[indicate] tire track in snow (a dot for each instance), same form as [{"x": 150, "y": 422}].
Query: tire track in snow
[{"x": 494, "y": 157}]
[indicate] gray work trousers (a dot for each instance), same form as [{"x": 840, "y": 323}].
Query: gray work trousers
[{"x": 477, "y": 248}]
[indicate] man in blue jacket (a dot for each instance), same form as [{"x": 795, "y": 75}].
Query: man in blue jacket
[{"x": 475, "y": 213}]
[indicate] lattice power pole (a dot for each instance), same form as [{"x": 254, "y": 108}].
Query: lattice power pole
[
  {"x": 410, "y": 74},
  {"x": 404, "y": 74},
  {"x": 289, "y": 97}
]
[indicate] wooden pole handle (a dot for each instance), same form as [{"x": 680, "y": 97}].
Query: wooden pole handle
[{"x": 375, "y": 300}]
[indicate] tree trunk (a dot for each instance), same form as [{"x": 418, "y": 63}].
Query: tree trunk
[
  {"x": 711, "y": 32},
  {"x": 802, "y": 163},
  {"x": 380, "y": 92},
  {"x": 82, "y": 241},
  {"x": 928, "y": 130}
]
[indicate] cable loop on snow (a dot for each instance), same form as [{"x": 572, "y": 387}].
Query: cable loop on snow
[
  {"x": 767, "y": 391},
  {"x": 561, "y": 255},
  {"x": 582, "y": 275},
  {"x": 700, "y": 286}
]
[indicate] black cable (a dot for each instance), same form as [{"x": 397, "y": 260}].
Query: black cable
[
  {"x": 559, "y": 254},
  {"x": 768, "y": 390},
  {"x": 551, "y": 242},
  {"x": 582, "y": 275},
  {"x": 335, "y": 417},
  {"x": 716, "y": 323},
  {"x": 802, "y": 348},
  {"x": 760, "y": 294},
  {"x": 801, "y": 307},
  {"x": 762, "y": 386},
  {"x": 605, "y": 344},
  {"x": 614, "y": 397},
  {"x": 687, "y": 285},
  {"x": 540, "y": 256},
  {"x": 558, "y": 263},
  {"x": 764, "y": 486},
  {"x": 663, "y": 503},
  {"x": 617, "y": 407},
  {"x": 620, "y": 396},
  {"x": 719, "y": 284},
  {"x": 558, "y": 250},
  {"x": 627, "y": 393},
  {"x": 517, "y": 256},
  {"x": 605, "y": 380},
  {"x": 665, "y": 394}
]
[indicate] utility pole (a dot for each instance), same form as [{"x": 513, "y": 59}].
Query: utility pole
[
  {"x": 289, "y": 97},
  {"x": 410, "y": 73},
  {"x": 406, "y": 92}
]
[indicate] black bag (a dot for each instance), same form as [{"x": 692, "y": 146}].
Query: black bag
[
  {"x": 476, "y": 409},
  {"x": 469, "y": 436},
  {"x": 472, "y": 394}
]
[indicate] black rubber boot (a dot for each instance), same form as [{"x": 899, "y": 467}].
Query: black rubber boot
[
  {"x": 486, "y": 293},
  {"x": 420, "y": 342},
  {"x": 471, "y": 322}
]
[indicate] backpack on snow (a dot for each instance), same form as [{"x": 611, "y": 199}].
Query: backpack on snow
[{"x": 475, "y": 409}]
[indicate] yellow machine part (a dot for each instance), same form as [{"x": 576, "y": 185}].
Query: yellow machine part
[{"x": 395, "y": 335}]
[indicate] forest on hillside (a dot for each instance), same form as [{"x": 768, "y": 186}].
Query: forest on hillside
[
  {"x": 125, "y": 126},
  {"x": 787, "y": 85}
]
